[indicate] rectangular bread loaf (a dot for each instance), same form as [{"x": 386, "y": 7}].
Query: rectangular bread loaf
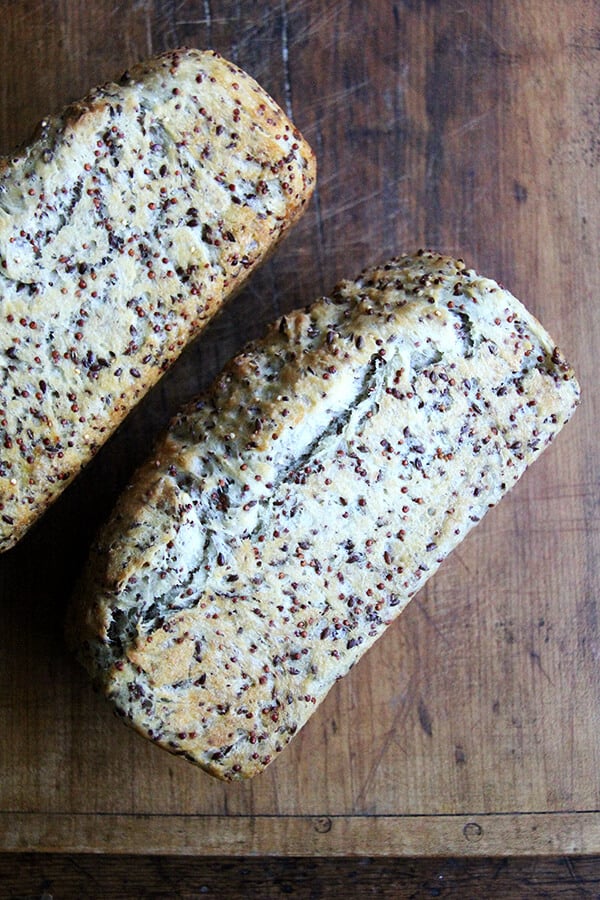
[
  {"x": 288, "y": 516},
  {"x": 123, "y": 227}
]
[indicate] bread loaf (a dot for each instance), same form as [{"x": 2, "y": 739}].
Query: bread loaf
[
  {"x": 288, "y": 516},
  {"x": 123, "y": 227}
]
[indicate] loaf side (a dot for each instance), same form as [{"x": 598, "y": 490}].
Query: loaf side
[
  {"x": 290, "y": 514},
  {"x": 124, "y": 225}
]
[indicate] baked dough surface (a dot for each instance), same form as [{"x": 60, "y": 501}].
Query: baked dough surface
[
  {"x": 124, "y": 225},
  {"x": 290, "y": 514}
]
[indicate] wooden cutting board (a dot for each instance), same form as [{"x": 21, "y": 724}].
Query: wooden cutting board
[{"x": 472, "y": 727}]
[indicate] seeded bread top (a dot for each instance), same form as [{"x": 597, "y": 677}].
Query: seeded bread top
[
  {"x": 290, "y": 514},
  {"x": 123, "y": 226}
]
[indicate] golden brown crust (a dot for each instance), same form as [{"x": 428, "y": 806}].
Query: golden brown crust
[
  {"x": 124, "y": 226},
  {"x": 290, "y": 514}
]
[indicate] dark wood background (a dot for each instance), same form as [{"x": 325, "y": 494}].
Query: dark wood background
[
  {"x": 471, "y": 729},
  {"x": 35, "y": 877}
]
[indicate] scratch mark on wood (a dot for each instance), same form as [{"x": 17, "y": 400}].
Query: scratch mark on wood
[
  {"x": 331, "y": 103},
  {"x": 352, "y": 203},
  {"x": 237, "y": 31},
  {"x": 537, "y": 660},
  {"x": 491, "y": 34},
  {"x": 319, "y": 212},
  {"x": 583, "y": 46},
  {"x": 437, "y": 113},
  {"x": 471, "y": 123},
  {"x": 389, "y": 737},
  {"x": 285, "y": 58},
  {"x": 84, "y": 871},
  {"x": 148, "y": 33},
  {"x": 208, "y": 21},
  {"x": 564, "y": 491},
  {"x": 420, "y": 606},
  {"x": 461, "y": 561},
  {"x": 425, "y": 718},
  {"x": 321, "y": 23},
  {"x": 574, "y": 876}
]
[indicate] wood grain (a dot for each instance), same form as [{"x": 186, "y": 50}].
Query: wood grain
[
  {"x": 66, "y": 877},
  {"x": 472, "y": 128}
]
